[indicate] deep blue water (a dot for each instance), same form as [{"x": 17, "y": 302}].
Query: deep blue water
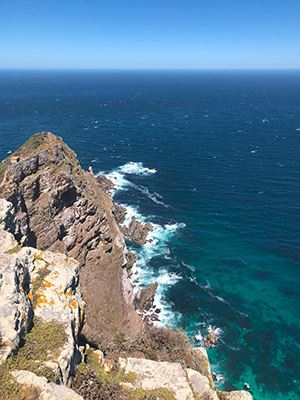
[{"x": 226, "y": 147}]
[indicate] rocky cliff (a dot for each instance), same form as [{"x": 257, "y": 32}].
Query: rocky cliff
[
  {"x": 68, "y": 325},
  {"x": 59, "y": 207}
]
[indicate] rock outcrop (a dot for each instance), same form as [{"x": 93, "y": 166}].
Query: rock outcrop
[
  {"x": 38, "y": 286},
  {"x": 184, "y": 383},
  {"x": 152, "y": 375},
  {"x": 15, "y": 307},
  {"x": 138, "y": 231},
  {"x": 59, "y": 207},
  {"x": 44, "y": 390}
]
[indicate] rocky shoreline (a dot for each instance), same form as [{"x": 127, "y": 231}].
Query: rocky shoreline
[{"x": 65, "y": 268}]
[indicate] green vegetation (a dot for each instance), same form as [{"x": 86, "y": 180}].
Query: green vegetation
[
  {"x": 43, "y": 343},
  {"x": 154, "y": 394},
  {"x": 115, "y": 377},
  {"x": 37, "y": 283}
]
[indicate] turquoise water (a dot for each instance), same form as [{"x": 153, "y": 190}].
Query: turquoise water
[{"x": 224, "y": 197}]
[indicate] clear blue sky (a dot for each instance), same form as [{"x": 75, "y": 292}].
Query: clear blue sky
[{"x": 150, "y": 34}]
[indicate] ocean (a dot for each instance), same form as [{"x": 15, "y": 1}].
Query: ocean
[{"x": 212, "y": 159}]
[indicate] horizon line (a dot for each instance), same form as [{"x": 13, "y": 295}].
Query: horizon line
[{"x": 151, "y": 69}]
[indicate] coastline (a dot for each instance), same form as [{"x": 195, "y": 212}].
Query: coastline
[{"x": 68, "y": 214}]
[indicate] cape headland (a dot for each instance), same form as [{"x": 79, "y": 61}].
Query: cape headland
[{"x": 71, "y": 324}]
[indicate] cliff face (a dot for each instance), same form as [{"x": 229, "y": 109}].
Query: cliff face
[{"x": 59, "y": 207}]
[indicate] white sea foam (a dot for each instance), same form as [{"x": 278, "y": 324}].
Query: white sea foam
[
  {"x": 152, "y": 196},
  {"x": 157, "y": 245},
  {"x": 136, "y": 168},
  {"x": 132, "y": 211},
  {"x": 199, "y": 338},
  {"x": 119, "y": 180},
  {"x": 220, "y": 379},
  {"x": 217, "y": 331},
  {"x": 118, "y": 177}
]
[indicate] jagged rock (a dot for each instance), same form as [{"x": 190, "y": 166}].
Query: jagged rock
[
  {"x": 235, "y": 395},
  {"x": 59, "y": 207},
  {"x": 138, "y": 231},
  {"x": 145, "y": 297},
  {"x": 131, "y": 260},
  {"x": 119, "y": 213},
  {"x": 47, "y": 391},
  {"x": 105, "y": 183}
]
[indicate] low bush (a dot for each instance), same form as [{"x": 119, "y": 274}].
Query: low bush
[
  {"x": 161, "y": 344},
  {"x": 44, "y": 342}
]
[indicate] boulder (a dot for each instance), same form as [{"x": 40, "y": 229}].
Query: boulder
[{"x": 47, "y": 391}]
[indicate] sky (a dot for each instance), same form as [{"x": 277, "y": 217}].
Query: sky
[{"x": 150, "y": 34}]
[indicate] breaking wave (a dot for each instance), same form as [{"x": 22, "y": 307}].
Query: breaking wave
[
  {"x": 136, "y": 168},
  {"x": 157, "y": 240}
]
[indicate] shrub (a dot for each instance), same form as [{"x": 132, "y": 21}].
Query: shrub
[
  {"x": 161, "y": 344},
  {"x": 42, "y": 343}
]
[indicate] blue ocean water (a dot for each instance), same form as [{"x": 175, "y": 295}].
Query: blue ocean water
[{"x": 213, "y": 159}]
